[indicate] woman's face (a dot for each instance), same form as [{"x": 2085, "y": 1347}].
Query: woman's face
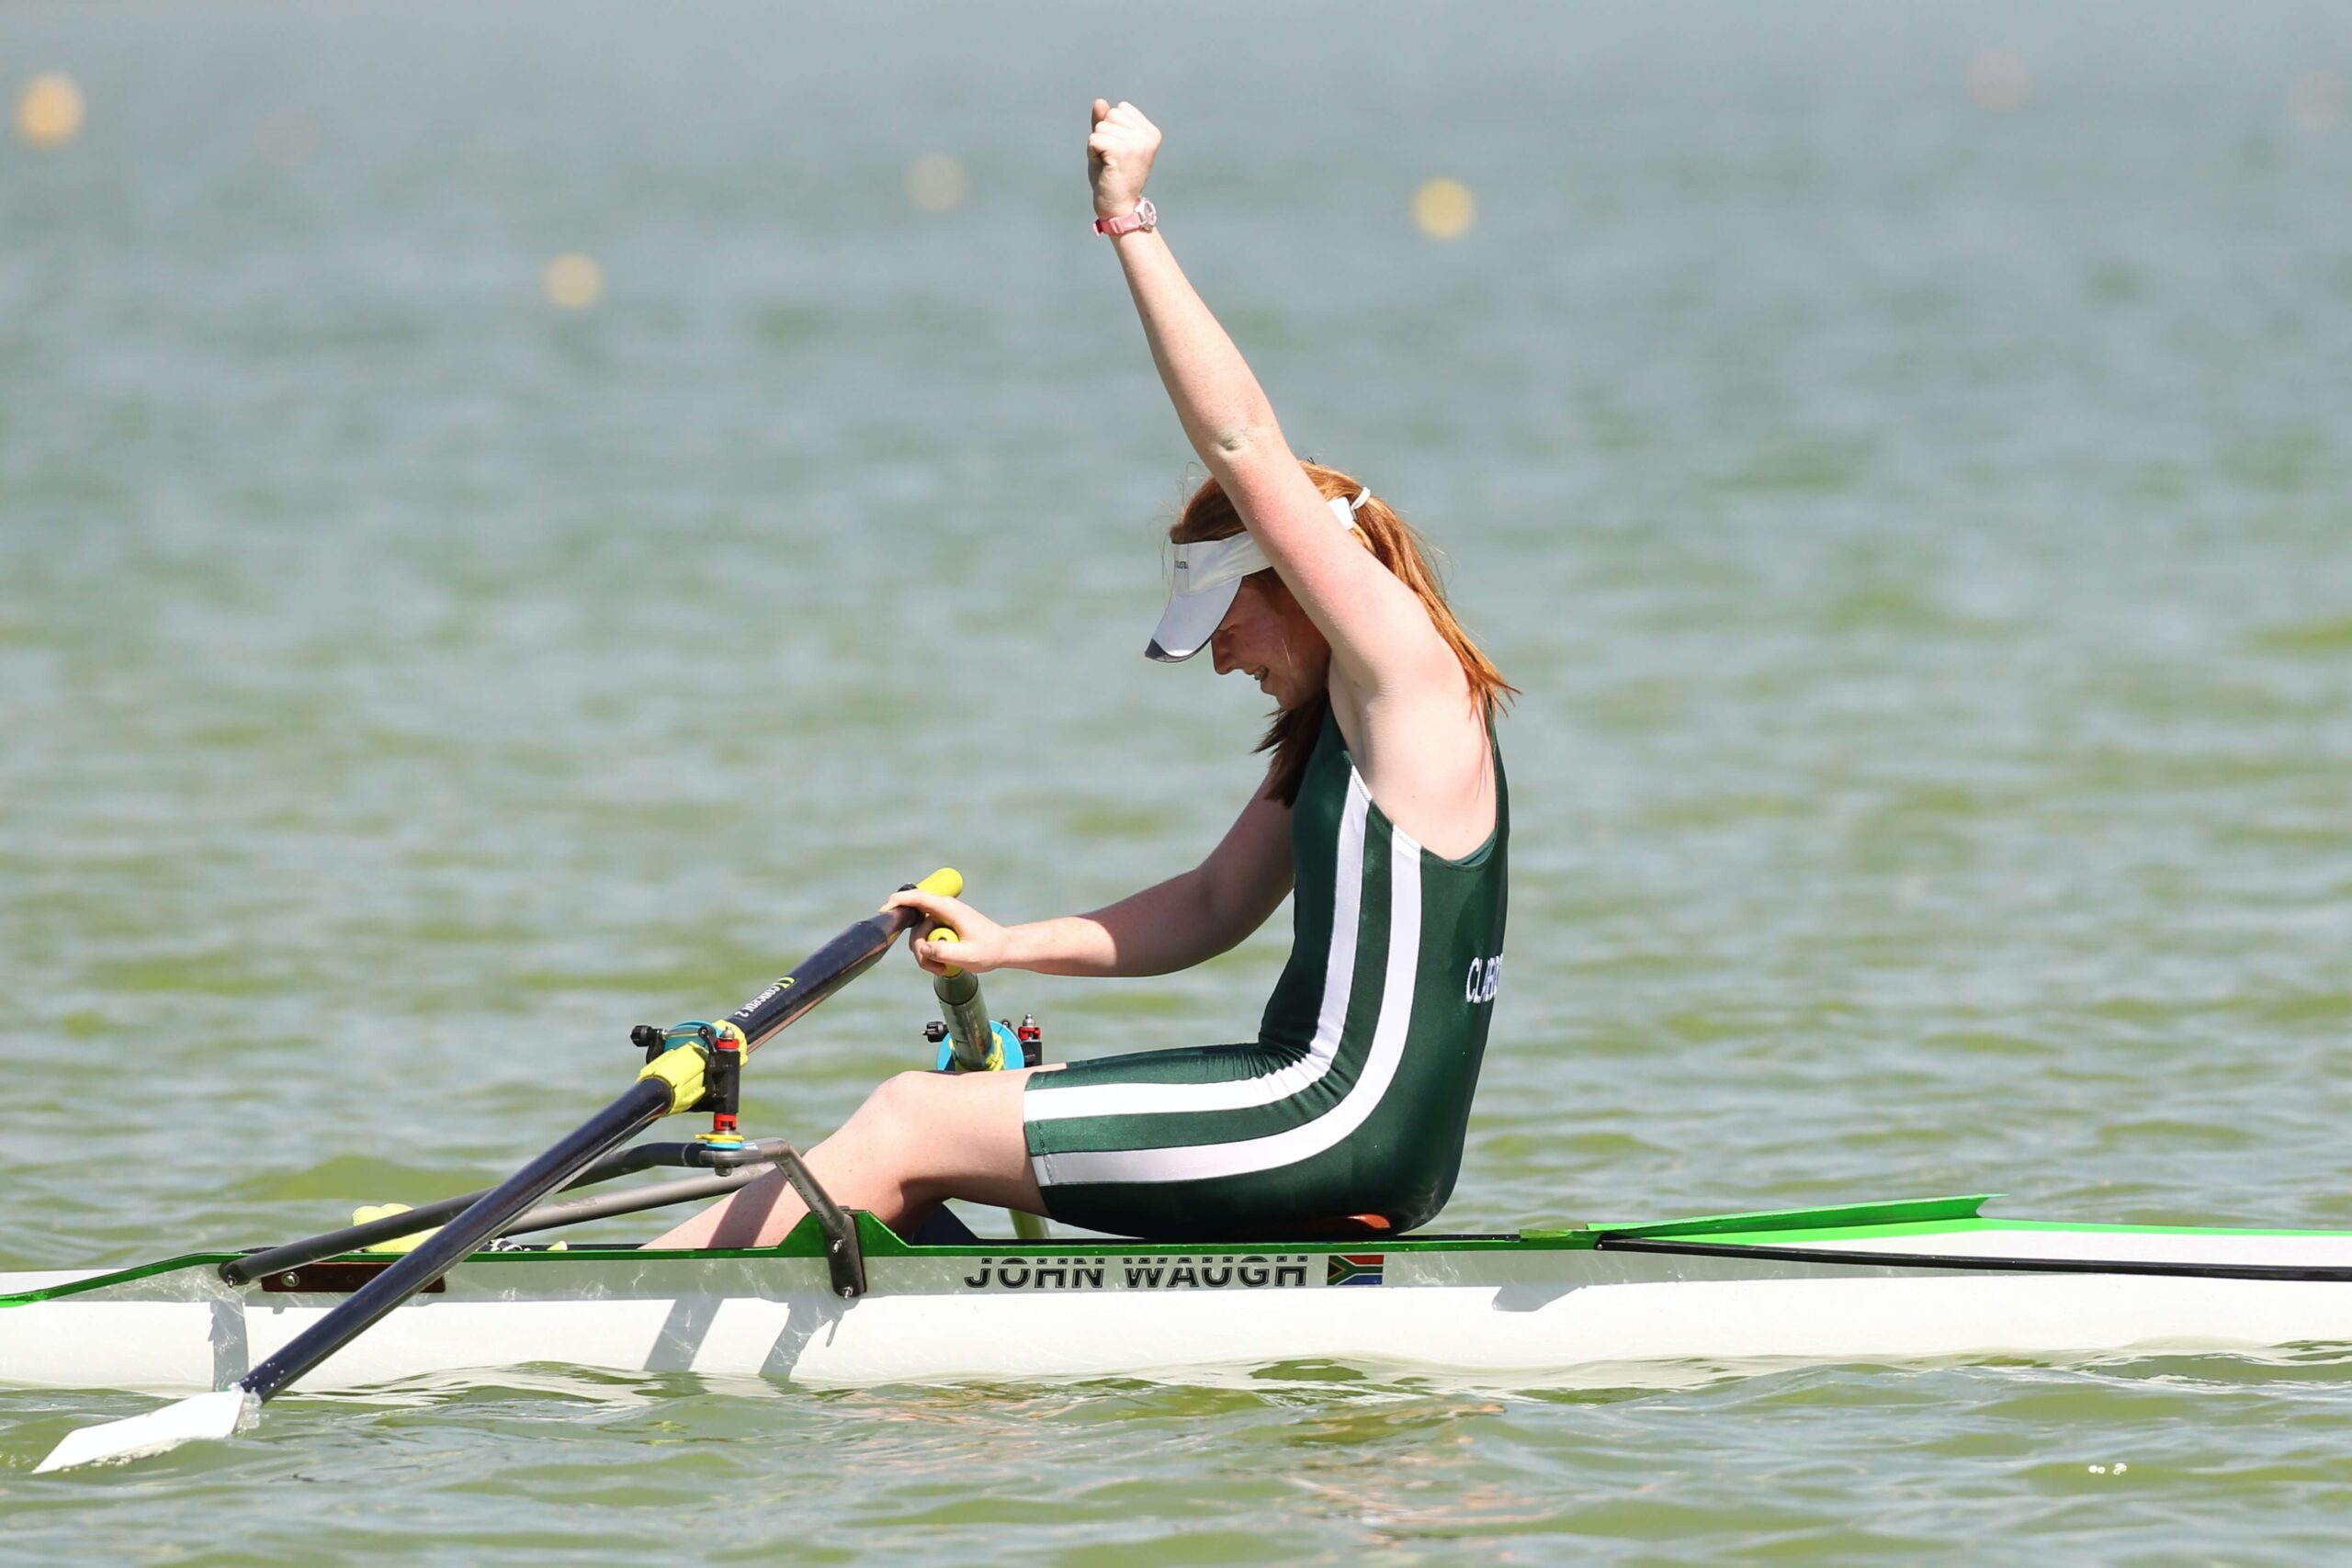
[{"x": 1267, "y": 638}]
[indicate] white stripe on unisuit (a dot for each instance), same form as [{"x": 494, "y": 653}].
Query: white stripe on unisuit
[
  {"x": 1308, "y": 1139},
  {"x": 1045, "y": 1103}
]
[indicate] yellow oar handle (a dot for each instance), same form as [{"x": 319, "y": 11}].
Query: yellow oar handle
[{"x": 948, "y": 883}]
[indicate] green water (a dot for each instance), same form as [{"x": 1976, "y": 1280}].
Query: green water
[{"x": 1920, "y": 531}]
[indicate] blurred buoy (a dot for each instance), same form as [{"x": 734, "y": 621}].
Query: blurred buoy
[
  {"x": 287, "y": 137},
  {"x": 2000, "y": 80},
  {"x": 936, "y": 182},
  {"x": 48, "y": 114},
  {"x": 2315, "y": 101},
  {"x": 574, "y": 281},
  {"x": 1444, "y": 210}
]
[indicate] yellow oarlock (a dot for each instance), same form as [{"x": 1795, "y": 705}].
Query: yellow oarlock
[{"x": 684, "y": 1069}]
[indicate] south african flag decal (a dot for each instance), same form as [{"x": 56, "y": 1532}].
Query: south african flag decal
[{"x": 1355, "y": 1268}]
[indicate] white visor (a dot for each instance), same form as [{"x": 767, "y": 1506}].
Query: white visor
[{"x": 1209, "y": 574}]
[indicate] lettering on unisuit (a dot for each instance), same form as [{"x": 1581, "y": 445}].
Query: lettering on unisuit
[
  {"x": 1486, "y": 980},
  {"x": 1258, "y": 1271}
]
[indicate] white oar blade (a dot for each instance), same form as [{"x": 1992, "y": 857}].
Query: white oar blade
[{"x": 213, "y": 1415}]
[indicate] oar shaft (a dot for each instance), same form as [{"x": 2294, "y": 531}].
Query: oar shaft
[
  {"x": 831, "y": 966},
  {"x": 968, "y": 1017},
  {"x": 647, "y": 1101}
]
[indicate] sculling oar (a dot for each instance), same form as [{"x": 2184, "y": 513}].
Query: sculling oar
[
  {"x": 973, "y": 1045},
  {"x": 694, "y": 1059}
]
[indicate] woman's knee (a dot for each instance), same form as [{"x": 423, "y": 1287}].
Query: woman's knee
[
  {"x": 944, "y": 1126},
  {"x": 901, "y": 1105}
]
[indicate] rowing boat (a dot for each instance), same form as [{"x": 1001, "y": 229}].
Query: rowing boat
[
  {"x": 844, "y": 1301},
  {"x": 1875, "y": 1282}
]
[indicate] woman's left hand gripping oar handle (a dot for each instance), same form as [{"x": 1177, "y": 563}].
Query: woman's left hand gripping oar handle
[
  {"x": 930, "y": 899},
  {"x": 952, "y": 937}
]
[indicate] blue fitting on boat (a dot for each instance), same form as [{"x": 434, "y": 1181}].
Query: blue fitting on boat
[{"x": 1004, "y": 1050}]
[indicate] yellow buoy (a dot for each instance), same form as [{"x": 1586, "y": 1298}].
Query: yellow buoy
[
  {"x": 574, "y": 281},
  {"x": 49, "y": 112},
  {"x": 1444, "y": 210}
]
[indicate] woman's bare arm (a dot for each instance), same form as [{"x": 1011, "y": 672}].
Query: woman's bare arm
[
  {"x": 1171, "y": 926},
  {"x": 1379, "y": 632}
]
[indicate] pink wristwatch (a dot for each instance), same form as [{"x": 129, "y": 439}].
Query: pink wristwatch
[{"x": 1145, "y": 216}]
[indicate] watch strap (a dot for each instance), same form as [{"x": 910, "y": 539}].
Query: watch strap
[{"x": 1145, "y": 216}]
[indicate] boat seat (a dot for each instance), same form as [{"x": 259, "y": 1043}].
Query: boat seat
[
  {"x": 1345, "y": 1227},
  {"x": 944, "y": 1229}
]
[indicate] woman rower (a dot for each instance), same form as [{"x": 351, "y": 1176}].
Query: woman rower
[{"x": 1384, "y": 812}]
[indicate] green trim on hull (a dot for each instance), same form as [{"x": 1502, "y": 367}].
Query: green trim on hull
[
  {"x": 1835, "y": 1218},
  {"x": 119, "y": 1277},
  {"x": 1767, "y": 1228},
  {"x": 1980, "y": 1226}
]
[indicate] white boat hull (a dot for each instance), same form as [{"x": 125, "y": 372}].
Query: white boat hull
[{"x": 1518, "y": 1314}]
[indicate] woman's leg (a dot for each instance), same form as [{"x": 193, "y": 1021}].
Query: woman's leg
[{"x": 919, "y": 1139}]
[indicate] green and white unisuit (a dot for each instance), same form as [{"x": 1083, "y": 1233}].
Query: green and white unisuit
[{"x": 1354, "y": 1101}]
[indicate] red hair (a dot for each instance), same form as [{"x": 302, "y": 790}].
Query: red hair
[{"x": 1210, "y": 514}]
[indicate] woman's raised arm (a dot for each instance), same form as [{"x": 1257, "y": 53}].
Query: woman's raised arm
[{"x": 1378, "y": 631}]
